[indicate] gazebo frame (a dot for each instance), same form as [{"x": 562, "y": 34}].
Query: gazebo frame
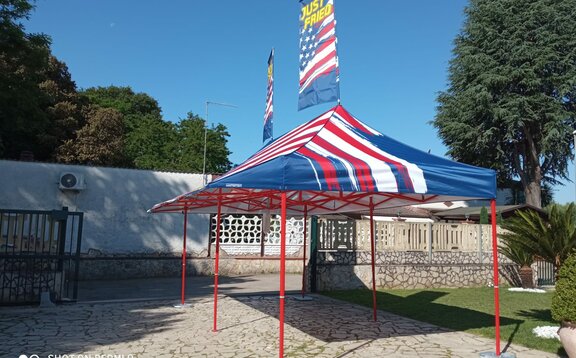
[{"x": 304, "y": 202}]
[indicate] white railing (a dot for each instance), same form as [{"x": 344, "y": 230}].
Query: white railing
[{"x": 403, "y": 236}]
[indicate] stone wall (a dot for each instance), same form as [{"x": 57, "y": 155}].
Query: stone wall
[
  {"x": 352, "y": 269},
  {"x": 126, "y": 267},
  {"x": 406, "y": 257}
]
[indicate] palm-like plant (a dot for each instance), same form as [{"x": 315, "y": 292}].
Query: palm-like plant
[
  {"x": 551, "y": 238},
  {"x": 518, "y": 254}
]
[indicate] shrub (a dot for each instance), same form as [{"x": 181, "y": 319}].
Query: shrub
[
  {"x": 564, "y": 299},
  {"x": 552, "y": 238}
]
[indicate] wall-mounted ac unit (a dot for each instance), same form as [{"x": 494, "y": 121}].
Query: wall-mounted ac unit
[{"x": 71, "y": 181}]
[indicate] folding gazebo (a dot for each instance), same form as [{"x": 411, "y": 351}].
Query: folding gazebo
[{"x": 336, "y": 164}]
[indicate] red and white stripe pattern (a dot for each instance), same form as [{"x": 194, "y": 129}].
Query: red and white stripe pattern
[
  {"x": 368, "y": 167},
  {"x": 318, "y": 50},
  {"x": 268, "y": 113},
  {"x": 336, "y": 143},
  {"x": 284, "y": 145}
]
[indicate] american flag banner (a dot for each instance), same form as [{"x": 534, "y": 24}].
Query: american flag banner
[
  {"x": 269, "y": 100},
  {"x": 319, "y": 73}
]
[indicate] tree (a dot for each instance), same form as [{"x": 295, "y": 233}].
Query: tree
[
  {"x": 147, "y": 136},
  {"x": 152, "y": 144},
  {"x": 39, "y": 105},
  {"x": 518, "y": 254},
  {"x": 63, "y": 107},
  {"x": 189, "y": 151},
  {"x": 23, "y": 62},
  {"x": 510, "y": 102},
  {"x": 99, "y": 142},
  {"x": 551, "y": 238}
]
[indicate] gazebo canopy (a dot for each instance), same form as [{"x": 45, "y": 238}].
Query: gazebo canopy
[{"x": 336, "y": 163}]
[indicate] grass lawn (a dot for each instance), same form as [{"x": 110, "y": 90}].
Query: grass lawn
[{"x": 469, "y": 310}]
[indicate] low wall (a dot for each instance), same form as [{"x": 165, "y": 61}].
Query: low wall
[
  {"x": 351, "y": 270},
  {"x": 129, "y": 267}
]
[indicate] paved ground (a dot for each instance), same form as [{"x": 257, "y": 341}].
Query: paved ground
[
  {"x": 196, "y": 286},
  {"x": 248, "y": 327}
]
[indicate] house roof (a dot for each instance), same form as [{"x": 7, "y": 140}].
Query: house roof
[{"x": 473, "y": 213}]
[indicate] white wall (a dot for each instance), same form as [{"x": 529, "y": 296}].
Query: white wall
[{"x": 114, "y": 203}]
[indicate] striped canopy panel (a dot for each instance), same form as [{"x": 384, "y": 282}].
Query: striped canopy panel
[{"x": 337, "y": 152}]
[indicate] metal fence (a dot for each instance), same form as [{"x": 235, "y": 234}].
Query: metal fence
[
  {"x": 39, "y": 252},
  {"x": 545, "y": 273}
]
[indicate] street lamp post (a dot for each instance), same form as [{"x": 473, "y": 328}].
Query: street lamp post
[{"x": 206, "y": 135}]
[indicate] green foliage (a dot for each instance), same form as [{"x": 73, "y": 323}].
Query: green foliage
[
  {"x": 145, "y": 131},
  {"x": 152, "y": 143},
  {"x": 499, "y": 218},
  {"x": 516, "y": 252},
  {"x": 484, "y": 216},
  {"x": 564, "y": 299},
  {"x": 23, "y": 62},
  {"x": 510, "y": 102},
  {"x": 190, "y": 146},
  {"x": 551, "y": 238},
  {"x": 99, "y": 142}
]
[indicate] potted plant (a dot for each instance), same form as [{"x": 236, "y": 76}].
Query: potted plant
[
  {"x": 518, "y": 254},
  {"x": 564, "y": 305}
]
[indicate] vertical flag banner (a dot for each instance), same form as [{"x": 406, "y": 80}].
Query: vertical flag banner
[
  {"x": 269, "y": 100},
  {"x": 319, "y": 73}
]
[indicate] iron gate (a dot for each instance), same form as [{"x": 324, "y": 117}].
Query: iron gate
[
  {"x": 39, "y": 252},
  {"x": 545, "y": 273}
]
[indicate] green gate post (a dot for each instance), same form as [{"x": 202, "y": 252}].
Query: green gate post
[{"x": 312, "y": 263}]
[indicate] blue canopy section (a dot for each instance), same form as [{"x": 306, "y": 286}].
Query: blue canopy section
[{"x": 337, "y": 152}]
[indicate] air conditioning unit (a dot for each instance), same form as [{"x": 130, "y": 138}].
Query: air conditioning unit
[{"x": 71, "y": 181}]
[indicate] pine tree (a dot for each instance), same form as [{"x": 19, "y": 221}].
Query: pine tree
[{"x": 511, "y": 100}]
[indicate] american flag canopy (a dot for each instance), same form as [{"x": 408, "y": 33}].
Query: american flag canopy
[
  {"x": 319, "y": 77},
  {"x": 337, "y": 153}
]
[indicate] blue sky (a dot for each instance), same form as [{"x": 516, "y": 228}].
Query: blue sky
[{"x": 393, "y": 60}]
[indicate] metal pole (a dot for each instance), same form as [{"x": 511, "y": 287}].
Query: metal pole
[
  {"x": 282, "y": 271},
  {"x": 304, "y": 258},
  {"x": 184, "y": 257},
  {"x": 372, "y": 251},
  {"x": 216, "y": 263},
  {"x": 205, "y": 141},
  {"x": 495, "y": 269},
  {"x": 206, "y": 136},
  {"x": 574, "y": 135}
]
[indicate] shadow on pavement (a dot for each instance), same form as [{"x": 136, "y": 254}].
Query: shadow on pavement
[
  {"x": 170, "y": 287},
  {"x": 332, "y": 320}
]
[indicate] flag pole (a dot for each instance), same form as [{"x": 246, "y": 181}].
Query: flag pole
[{"x": 216, "y": 262}]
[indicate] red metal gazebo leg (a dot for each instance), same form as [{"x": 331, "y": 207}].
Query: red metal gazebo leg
[
  {"x": 282, "y": 272},
  {"x": 183, "y": 294},
  {"x": 216, "y": 263},
  {"x": 373, "y": 259},
  {"x": 495, "y": 269}
]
